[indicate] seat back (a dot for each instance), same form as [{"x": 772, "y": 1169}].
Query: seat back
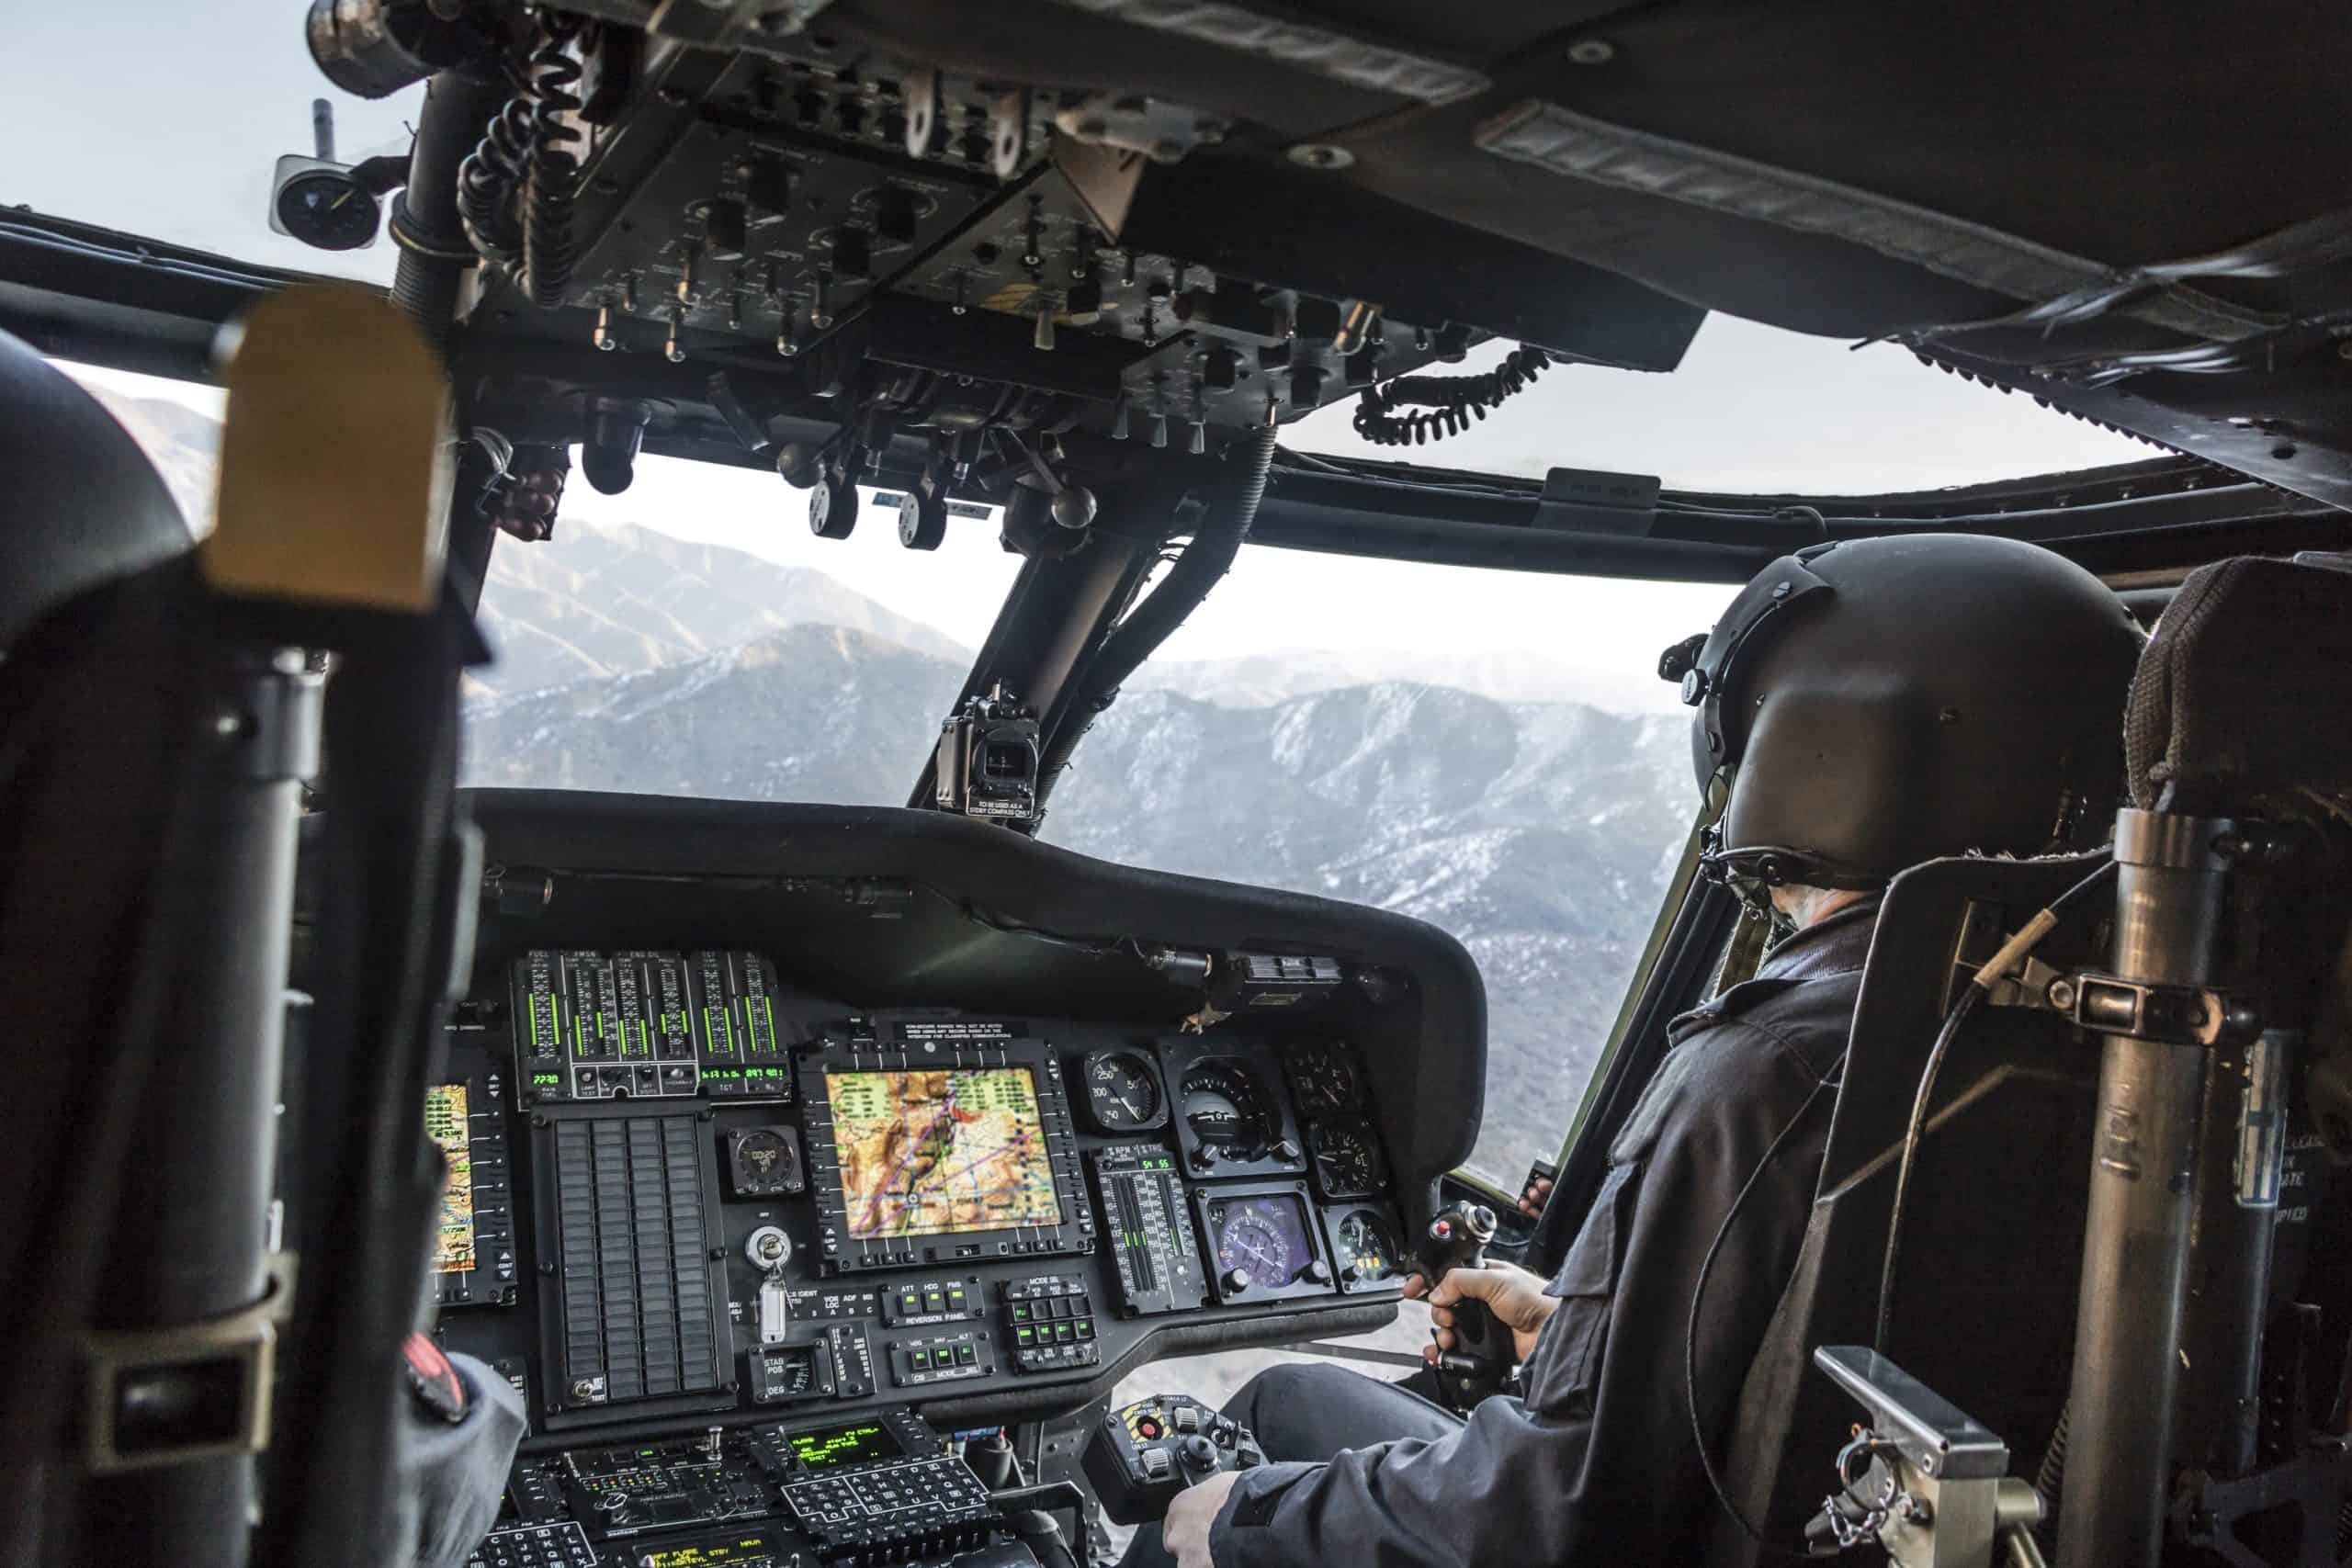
[
  {"x": 1992, "y": 1238},
  {"x": 82, "y": 505},
  {"x": 89, "y": 655}
]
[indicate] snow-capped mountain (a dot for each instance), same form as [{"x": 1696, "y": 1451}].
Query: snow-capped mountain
[
  {"x": 609, "y": 600},
  {"x": 1257, "y": 679}
]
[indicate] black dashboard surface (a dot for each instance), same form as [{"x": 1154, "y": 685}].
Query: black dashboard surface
[{"x": 770, "y": 1114}]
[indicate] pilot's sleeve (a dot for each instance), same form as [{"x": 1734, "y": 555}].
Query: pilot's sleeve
[
  {"x": 457, "y": 1436},
  {"x": 1597, "y": 1464}
]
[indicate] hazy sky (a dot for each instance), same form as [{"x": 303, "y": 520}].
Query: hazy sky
[{"x": 164, "y": 117}]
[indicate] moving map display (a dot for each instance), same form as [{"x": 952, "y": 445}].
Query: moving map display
[
  {"x": 930, "y": 1153},
  {"x": 445, "y": 1125}
]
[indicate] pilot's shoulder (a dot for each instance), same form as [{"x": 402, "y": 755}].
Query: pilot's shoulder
[{"x": 1762, "y": 1039}]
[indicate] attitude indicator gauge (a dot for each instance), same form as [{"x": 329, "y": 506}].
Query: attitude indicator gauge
[{"x": 1226, "y": 1109}]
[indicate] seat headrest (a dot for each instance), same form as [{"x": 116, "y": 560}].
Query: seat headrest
[
  {"x": 2242, "y": 691},
  {"x": 81, "y": 506}
]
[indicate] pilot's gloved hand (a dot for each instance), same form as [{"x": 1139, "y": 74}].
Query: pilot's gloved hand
[
  {"x": 1185, "y": 1531},
  {"x": 1538, "y": 1194},
  {"x": 463, "y": 1425},
  {"x": 1515, "y": 1296}
]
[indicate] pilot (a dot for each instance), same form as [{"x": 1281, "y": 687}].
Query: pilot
[{"x": 1872, "y": 704}]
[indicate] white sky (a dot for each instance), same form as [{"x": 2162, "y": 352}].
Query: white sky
[{"x": 166, "y": 118}]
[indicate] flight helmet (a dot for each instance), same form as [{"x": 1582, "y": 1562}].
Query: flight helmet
[{"x": 1872, "y": 704}]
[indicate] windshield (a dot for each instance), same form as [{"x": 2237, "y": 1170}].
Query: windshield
[
  {"x": 171, "y": 127},
  {"x": 1489, "y": 752}
]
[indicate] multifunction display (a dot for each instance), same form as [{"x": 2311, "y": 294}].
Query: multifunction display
[
  {"x": 936, "y": 1153},
  {"x": 940, "y": 1145},
  {"x": 445, "y": 1125}
]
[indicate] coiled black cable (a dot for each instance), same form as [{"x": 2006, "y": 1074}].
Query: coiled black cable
[
  {"x": 1448, "y": 404},
  {"x": 551, "y": 247},
  {"x": 491, "y": 175}
]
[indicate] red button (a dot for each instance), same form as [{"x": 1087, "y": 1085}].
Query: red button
[{"x": 1149, "y": 1429}]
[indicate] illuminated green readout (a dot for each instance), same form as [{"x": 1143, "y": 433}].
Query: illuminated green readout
[
  {"x": 845, "y": 1445},
  {"x": 707, "y": 1554}
]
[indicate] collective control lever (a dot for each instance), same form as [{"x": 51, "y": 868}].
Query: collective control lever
[
  {"x": 1141, "y": 1456},
  {"x": 1481, "y": 1360}
]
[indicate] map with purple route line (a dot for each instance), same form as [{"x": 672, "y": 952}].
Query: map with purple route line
[{"x": 928, "y": 1153}]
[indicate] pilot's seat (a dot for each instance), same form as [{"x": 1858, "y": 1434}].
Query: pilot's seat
[
  {"x": 97, "y": 563},
  {"x": 1983, "y": 1306},
  {"x": 1991, "y": 1243},
  {"x": 82, "y": 505}
]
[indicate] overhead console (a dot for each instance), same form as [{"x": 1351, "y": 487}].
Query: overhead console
[{"x": 771, "y": 1120}]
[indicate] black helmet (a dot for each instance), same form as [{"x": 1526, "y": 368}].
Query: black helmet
[{"x": 1877, "y": 703}]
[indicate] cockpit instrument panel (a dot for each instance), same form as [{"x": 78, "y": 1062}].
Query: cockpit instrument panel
[{"x": 744, "y": 1201}]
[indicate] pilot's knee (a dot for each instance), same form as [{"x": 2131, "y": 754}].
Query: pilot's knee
[{"x": 1279, "y": 1397}]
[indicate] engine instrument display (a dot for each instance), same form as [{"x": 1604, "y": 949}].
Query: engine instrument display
[
  {"x": 1122, "y": 1093},
  {"x": 1322, "y": 1077},
  {"x": 1364, "y": 1245},
  {"x": 1348, "y": 1162},
  {"x": 934, "y": 1153}
]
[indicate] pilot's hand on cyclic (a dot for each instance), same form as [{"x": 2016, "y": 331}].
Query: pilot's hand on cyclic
[
  {"x": 1185, "y": 1531},
  {"x": 1515, "y": 1296}
]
